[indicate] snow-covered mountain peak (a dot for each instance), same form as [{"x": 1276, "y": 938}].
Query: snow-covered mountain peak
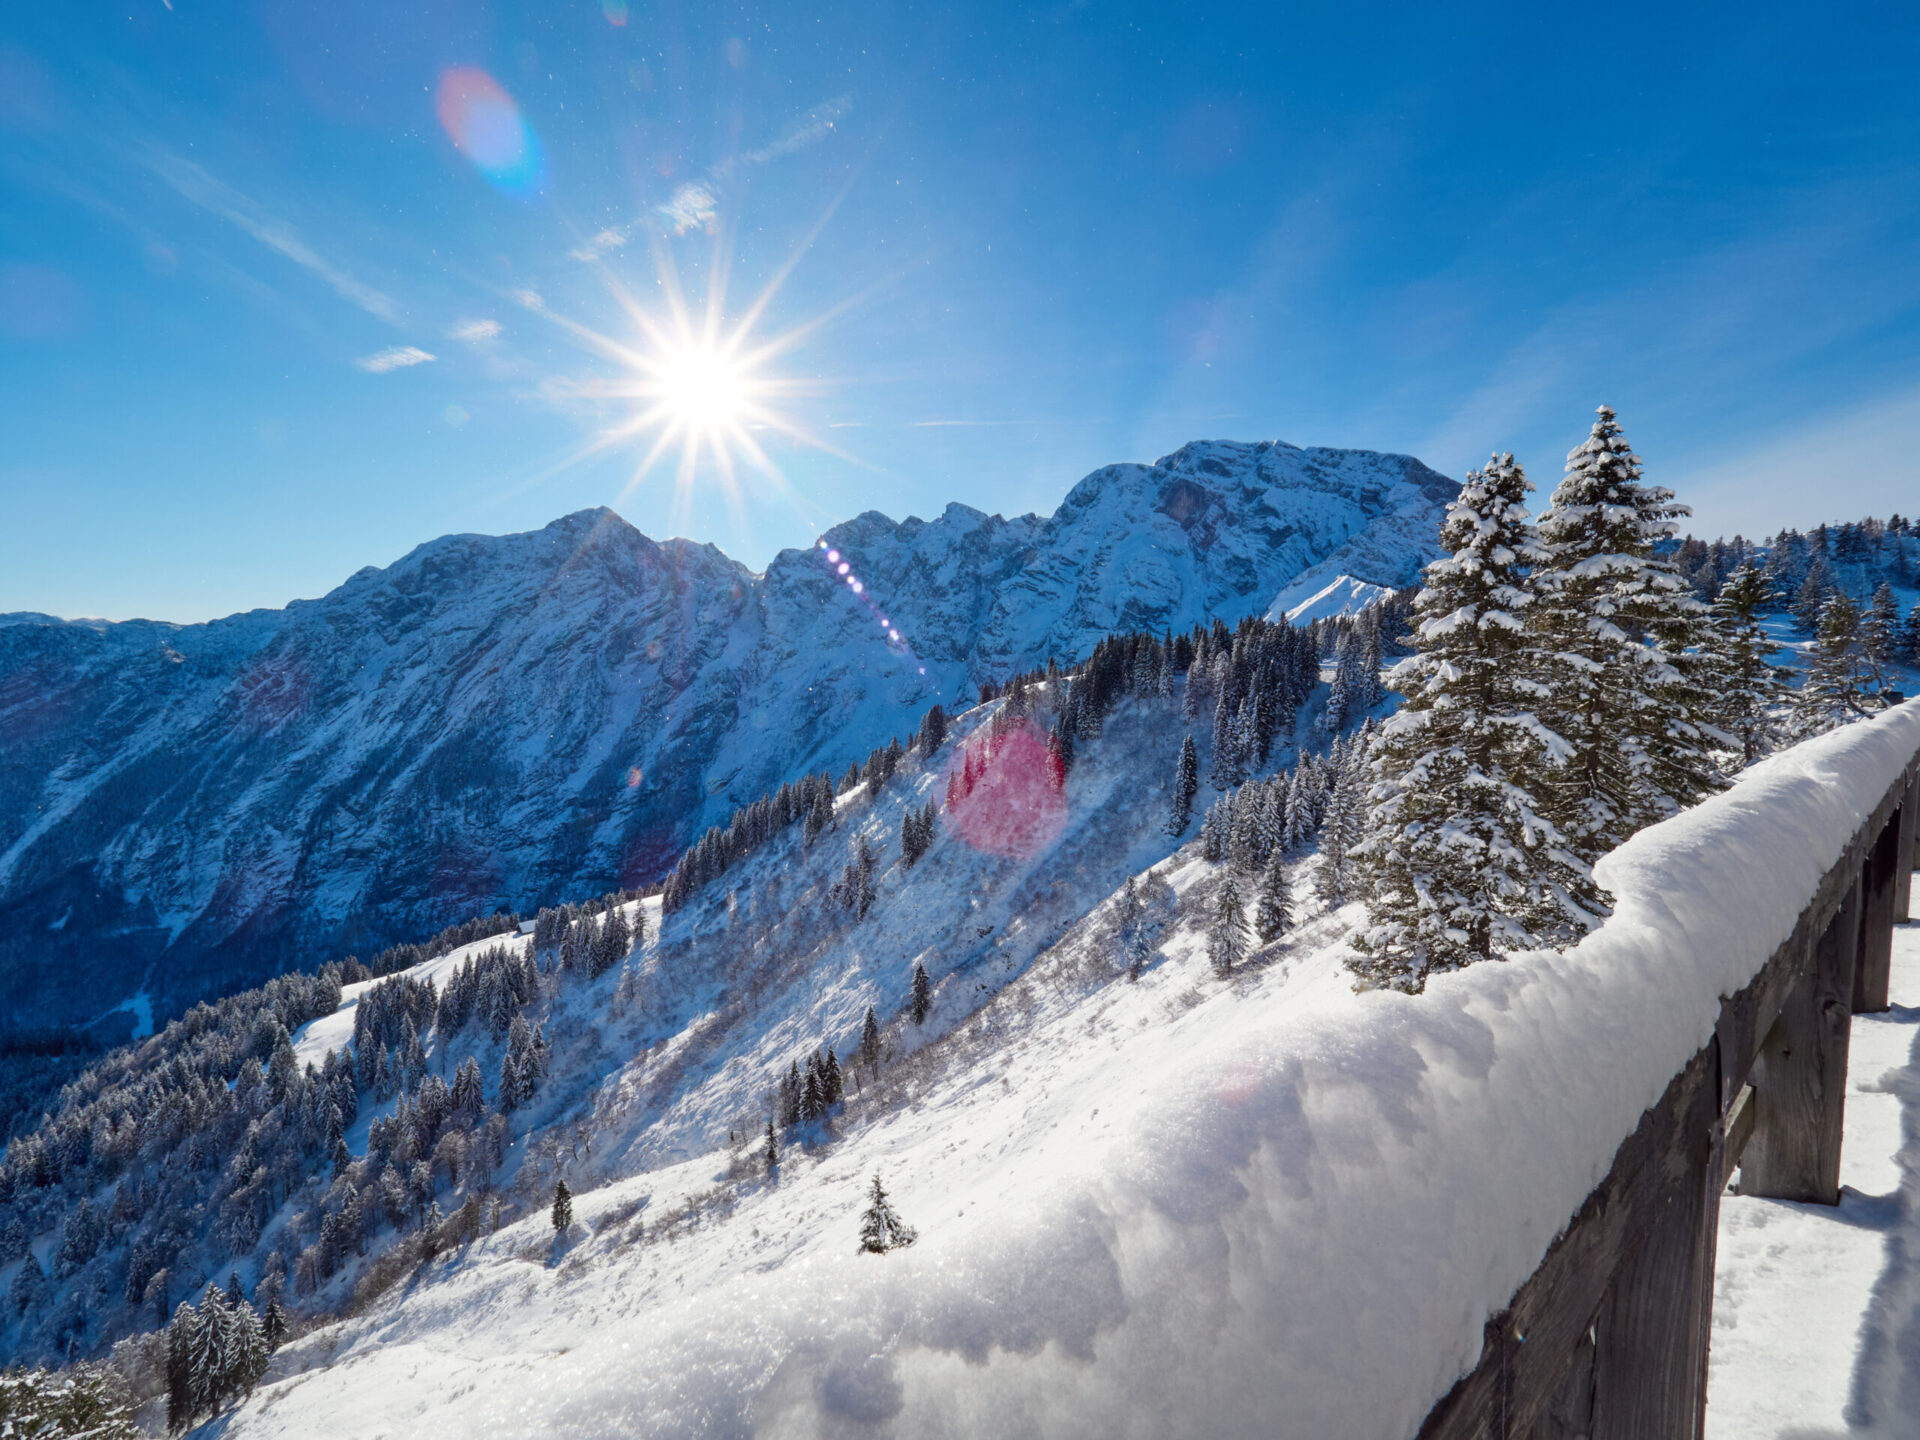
[{"x": 507, "y": 720}]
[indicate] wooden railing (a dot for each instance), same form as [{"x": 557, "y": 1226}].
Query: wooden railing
[{"x": 1608, "y": 1338}]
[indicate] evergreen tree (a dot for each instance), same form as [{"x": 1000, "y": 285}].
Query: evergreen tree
[
  {"x": 1880, "y": 635},
  {"x": 182, "y": 1403},
  {"x": 1340, "y": 832},
  {"x": 921, "y": 999},
  {"x": 248, "y": 1351},
  {"x": 1912, "y": 634},
  {"x": 273, "y": 1325},
  {"x": 870, "y": 1042},
  {"x": 1812, "y": 595},
  {"x": 84, "y": 1402},
  {"x": 1618, "y": 631},
  {"x": 881, "y": 1229},
  {"x": 207, "y": 1353},
  {"x": 1186, "y": 784},
  {"x": 1227, "y": 934},
  {"x": 1455, "y": 858},
  {"x": 1750, "y": 687},
  {"x": 562, "y": 1206},
  {"x": 1833, "y": 693},
  {"x": 1273, "y": 914},
  {"x": 771, "y": 1155}
]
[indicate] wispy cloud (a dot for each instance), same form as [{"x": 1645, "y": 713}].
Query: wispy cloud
[
  {"x": 475, "y": 331},
  {"x": 396, "y": 357},
  {"x": 597, "y": 245},
  {"x": 192, "y": 183},
  {"x": 692, "y": 207},
  {"x": 816, "y": 124}
]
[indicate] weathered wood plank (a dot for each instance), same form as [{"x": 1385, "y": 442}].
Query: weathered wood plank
[
  {"x": 1800, "y": 1079},
  {"x": 1537, "y": 1376},
  {"x": 1873, "y": 978},
  {"x": 1528, "y": 1348},
  {"x": 1650, "y": 1342},
  {"x": 1909, "y": 841}
]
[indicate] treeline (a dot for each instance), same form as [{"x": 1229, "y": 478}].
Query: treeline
[
  {"x": 1855, "y": 556},
  {"x": 1570, "y": 687},
  {"x": 166, "y": 1159},
  {"x": 808, "y": 801}
]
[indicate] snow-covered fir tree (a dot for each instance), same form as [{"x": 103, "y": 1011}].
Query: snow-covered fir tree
[
  {"x": 1750, "y": 687},
  {"x": 1880, "y": 636},
  {"x": 1273, "y": 912},
  {"x": 79, "y": 1402},
  {"x": 562, "y": 1213},
  {"x": 1342, "y": 822},
  {"x": 881, "y": 1228},
  {"x": 1457, "y": 861},
  {"x": 1186, "y": 784},
  {"x": 1618, "y": 632},
  {"x": 1835, "y": 691},
  {"x": 1227, "y": 931},
  {"x": 920, "y": 998}
]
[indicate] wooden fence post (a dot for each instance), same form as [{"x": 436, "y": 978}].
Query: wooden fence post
[
  {"x": 1800, "y": 1078},
  {"x": 1649, "y": 1360},
  {"x": 1903, "y": 866},
  {"x": 1873, "y": 978}
]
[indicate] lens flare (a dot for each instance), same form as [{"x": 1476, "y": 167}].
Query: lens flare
[
  {"x": 486, "y": 126},
  {"x": 1005, "y": 793}
]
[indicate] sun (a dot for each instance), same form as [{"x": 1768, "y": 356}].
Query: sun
[
  {"x": 697, "y": 387},
  {"x": 701, "y": 387}
]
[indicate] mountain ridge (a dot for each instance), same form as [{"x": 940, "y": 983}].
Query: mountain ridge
[{"x": 508, "y": 720}]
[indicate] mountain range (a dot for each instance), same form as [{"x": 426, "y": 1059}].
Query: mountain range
[{"x": 510, "y": 721}]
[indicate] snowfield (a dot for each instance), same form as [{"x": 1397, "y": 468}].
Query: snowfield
[{"x": 1183, "y": 1206}]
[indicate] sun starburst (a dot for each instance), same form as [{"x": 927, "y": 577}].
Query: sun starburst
[{"x": 701, "y": 387}]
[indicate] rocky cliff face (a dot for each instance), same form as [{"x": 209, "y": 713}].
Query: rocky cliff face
[{"x": 513, "y": 720}]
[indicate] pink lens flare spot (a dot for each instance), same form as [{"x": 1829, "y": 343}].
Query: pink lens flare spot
[
  {"x": 633, "y": 777},
  {"x": 1240, "y": 1084},
  {"x": 486, "y": 126},
  {"x": 858, "y": 588},
  {"x": 833, "y": 557},
  {"x": 844, "y": 567},
  {"x": 1005, "y": 793}
]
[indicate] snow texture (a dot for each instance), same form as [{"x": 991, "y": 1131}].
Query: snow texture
[
  {"x": 1301, "y": 604},
  {"x": 1266, "y": 1206}
]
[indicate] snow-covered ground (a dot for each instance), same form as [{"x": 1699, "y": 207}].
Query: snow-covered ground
[
  {"x": 1174, "y": 1207},
  {"x": 1816, "y": 1330}
]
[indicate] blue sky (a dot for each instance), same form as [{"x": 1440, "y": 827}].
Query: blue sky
[{"x": 1011, "y": 245}]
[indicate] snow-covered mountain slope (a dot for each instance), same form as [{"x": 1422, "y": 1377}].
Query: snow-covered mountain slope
[
  {"x": 1299, "y": 604},
  {"x": 1037, "y": 1068},
  {"x": 513, "y": 720}
]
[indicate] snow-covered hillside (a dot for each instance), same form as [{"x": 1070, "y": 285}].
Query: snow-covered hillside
[
  {"x": 1181, "y": 1205},
  {"x": 205, "y": 1150},
  {"x": 508, "y": 721},
  {"x": 1039, "y": 1071}
]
